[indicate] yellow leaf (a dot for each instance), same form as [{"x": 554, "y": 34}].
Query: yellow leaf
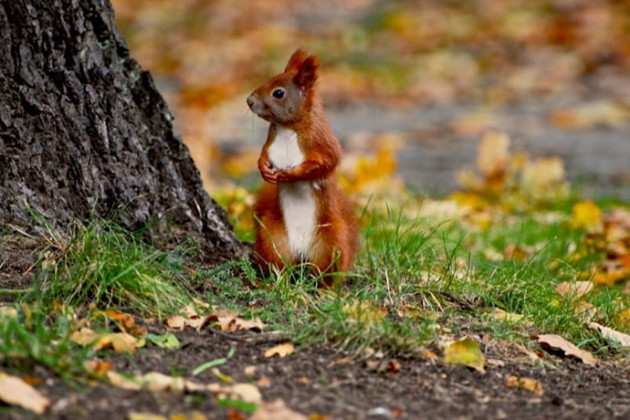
[
  {"x": 123, "y": 342},
  {"x": 280, "y": 350},
  {"x": 528, "y": 384},
  {"x": 557, "y": 342},
  {"x": 15, "y": 391},
  {"x": 465, "y": 352},
  {"x": 587, "y": 215}
]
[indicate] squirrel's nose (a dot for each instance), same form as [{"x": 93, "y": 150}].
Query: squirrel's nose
[{"x": 250, "y": 101}]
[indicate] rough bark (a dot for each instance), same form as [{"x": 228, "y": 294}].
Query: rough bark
[{"x": 84, "y": 132}]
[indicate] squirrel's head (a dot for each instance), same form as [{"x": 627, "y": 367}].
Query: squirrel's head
[{"x": 288, "y": 96}]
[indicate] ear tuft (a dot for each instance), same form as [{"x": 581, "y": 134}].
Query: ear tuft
[
  {"x": 307, "y": 72},
  {"x": 296, "y": 60}
]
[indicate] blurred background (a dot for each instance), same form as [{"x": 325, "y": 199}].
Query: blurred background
[{"x": 410, "y": 87}]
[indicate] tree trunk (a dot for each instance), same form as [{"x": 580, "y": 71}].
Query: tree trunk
[{"x": 84, "y": 132}]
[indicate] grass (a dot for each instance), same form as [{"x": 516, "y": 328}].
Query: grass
[
  {"x": 104, "y": 266},
  {"x": 31, "y": 336},
  {"x": 418, "y": 278}
]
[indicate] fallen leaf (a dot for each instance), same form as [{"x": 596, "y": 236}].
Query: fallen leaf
[
  {"x": 528, "y": 384},
  {"x": 14, "y": 391},
  {"x": 393, "y": 366},
  {"x": 574, "y": 290},
  {"x": 556, "y": 342},
  {"x": 606, "y": 113},
  {"x": 281, "y": 350},
  {"x": 264, "y": 382},
  {"x": 99, "y": 367},
  {"x": 276, "y": 410},
  {"x": 495, "y": 362},
  {"x": 493, "y": 155},
  {"x": 233, "y": 324},
  {"x": 429, "y": 355},
  {"x": 8, "y": 311},
  {"x": 121, "y": 342},
  {"x": 244, "y": 392},
  {"x": 145, "y": 416},
  {"x": 465, "y": 352},
  {"x": 156, "y": 381},
  {"x": 84, "y": 337},
  {"x": 167, "y": 341},
  {"x": 587, "y": 215},
  {"x": 227, "y": 323},
  {"x": 610, "y": 334},
  {"x": 126, "y": 322}
]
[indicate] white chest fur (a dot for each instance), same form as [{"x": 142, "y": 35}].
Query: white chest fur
[{"x": 296, "y": 198}]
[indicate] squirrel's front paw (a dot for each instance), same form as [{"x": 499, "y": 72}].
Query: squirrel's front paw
[{"x": 270, "y": 173}]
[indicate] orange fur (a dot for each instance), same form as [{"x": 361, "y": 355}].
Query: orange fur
[{"x": 335, "y": 239}]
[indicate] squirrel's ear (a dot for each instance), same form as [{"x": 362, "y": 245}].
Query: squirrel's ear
[
  {"x": 307, "y": 72},
  {"x": 296, "y": 60}
]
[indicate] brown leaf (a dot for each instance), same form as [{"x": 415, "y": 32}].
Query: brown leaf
[
  {"x": 574, "y": 290},
  {"x": 276, "y": 410},
  {"x": 233, "y": 324},
  {"x": 556, "y": 342},
  {"x": 528, "y": 384},
  {"x": 15, "y": 391},
  {"x": 99, "y": 367},
  {"x": 610, "y": 334},
  {"x": 281, "y": 350},
  {"x": 126, "y": 322}
]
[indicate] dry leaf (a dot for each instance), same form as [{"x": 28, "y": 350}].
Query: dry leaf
[
  {"x": 244, "y": 392},
  {"x": 276, "y": 410},
  {"x": 575, "y": 290},
  {"x": 393, "y": 366},
  {"x": 99, "y": 367},
  {"x": 610, "y": 334},
  {"x": 493, "y": 154},
  {"x": 8, "y": 311},
  {"x": 121, "y": 342},
  {"x": 465, "y": 352},
  {"x": 495, "y": 362},
  {"x": 228, "y": 323},
  {"x": 156, "y": 381},
  {"x": 233, "y": 324},
  {"x": 84, "y": 337},
  {"x": 556, "y": 342},
  {"x": 429, "y": 355},
  {"x": 528, "y": 384},
  {"x": 14, "y": 391},
  {"x": 126, "y": 322},
  {"x": 280, "y": 350},
  {"x": 145, "y": 416}
]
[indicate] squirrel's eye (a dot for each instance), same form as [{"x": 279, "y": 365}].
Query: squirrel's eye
[{"x": 278, "y": 93}]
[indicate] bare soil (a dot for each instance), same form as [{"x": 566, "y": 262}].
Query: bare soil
[{"x": 319, "y": 379}]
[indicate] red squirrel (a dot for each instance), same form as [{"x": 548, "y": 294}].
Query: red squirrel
[{"x": 302, "y": 214}]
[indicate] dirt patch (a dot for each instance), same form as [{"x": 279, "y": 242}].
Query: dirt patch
[{"x": 319, "y": 379}]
